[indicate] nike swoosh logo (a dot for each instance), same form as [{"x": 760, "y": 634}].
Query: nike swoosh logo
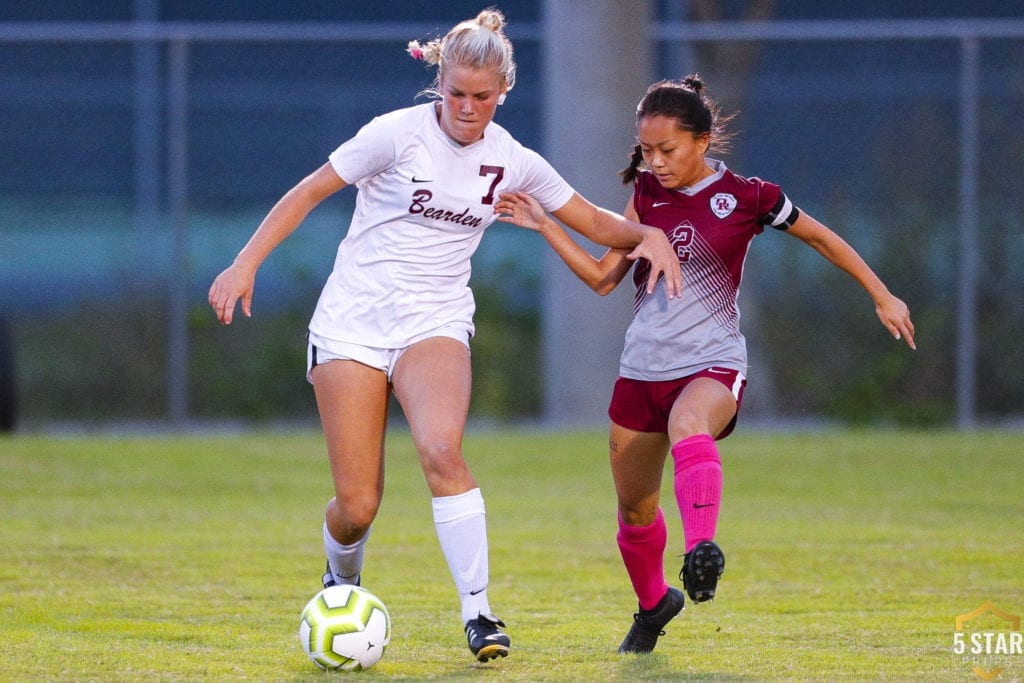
[
  {"x": 657, "y": 204},
  {"x": 718, "y": 372},
  {"x": 478, "y": 592},
  {"x": 698, "y": 506},
  {"x": 420, "y": 180}
]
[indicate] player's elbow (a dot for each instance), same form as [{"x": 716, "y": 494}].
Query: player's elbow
[{"x": 604, "y": 287}]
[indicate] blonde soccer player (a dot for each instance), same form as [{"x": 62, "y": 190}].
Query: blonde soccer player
[{"x": 396, "y": 313}]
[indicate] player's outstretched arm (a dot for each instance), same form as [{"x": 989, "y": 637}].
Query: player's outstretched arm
[
  {"x": 238, "y": 280},
  {"x": 892, "y": 312},
  {"x": 602, "y": 275},
  {"x": 614, "y": 230}
]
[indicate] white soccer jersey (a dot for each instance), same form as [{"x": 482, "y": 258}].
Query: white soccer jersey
[{"x": 423, "y": 204}]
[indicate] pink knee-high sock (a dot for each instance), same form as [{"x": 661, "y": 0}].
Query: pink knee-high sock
[
  {"x": 643, "y": 553},
  {"x": 698, "y": 485}
]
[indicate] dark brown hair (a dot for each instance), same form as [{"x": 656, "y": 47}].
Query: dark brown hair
[{"x": 687, "y": 103}]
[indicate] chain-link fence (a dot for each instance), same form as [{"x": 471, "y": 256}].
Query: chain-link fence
[{"x": 139, "y": 157}]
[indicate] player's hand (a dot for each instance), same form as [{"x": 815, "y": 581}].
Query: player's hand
[
  {"x": 895, "y": 315},
  {"x": 235, "y": 283},
  {"x": 656, "y": 248},
  {"x": 521, "y": 209}
]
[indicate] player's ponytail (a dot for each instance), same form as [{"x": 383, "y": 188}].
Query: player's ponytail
[{"x": 636, "y": 160}]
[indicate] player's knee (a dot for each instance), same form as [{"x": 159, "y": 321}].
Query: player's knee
[
  {"x": 349, "y": 516},
  {"x": 687, "y": 423},
  {"x": 642, "y": 514},
  {"x": 440, "y": 458}
]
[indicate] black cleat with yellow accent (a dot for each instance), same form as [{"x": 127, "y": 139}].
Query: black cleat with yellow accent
[{"x": 486, "y": 639}]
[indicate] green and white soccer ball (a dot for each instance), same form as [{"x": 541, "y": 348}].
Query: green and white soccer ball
[{"x": 345, "y": 628}]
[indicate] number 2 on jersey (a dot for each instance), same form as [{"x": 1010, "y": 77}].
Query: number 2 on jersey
[{"x": 682, "y": 238}]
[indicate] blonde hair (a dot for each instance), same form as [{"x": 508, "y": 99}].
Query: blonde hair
[{"x": 479, "y": 43}]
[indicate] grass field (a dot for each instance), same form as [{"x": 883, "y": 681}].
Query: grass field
[{"x": 849, "y": 556}]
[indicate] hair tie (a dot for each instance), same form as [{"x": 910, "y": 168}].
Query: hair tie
[{"x": 415, "y": 50}]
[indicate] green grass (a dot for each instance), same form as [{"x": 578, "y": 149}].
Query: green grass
[{"x": 849, "y": 556}]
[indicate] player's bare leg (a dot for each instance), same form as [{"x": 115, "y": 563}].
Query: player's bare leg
[
  {"x": 352, "y": 399},
  {"x": 432, "y": 382},
  {"x": 637, "y": 460}
]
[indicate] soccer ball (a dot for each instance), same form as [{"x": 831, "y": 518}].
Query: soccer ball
[{"x": 345, "y": 628}]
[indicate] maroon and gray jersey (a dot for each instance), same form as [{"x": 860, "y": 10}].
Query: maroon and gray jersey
[{"x": 710, "y": 225}]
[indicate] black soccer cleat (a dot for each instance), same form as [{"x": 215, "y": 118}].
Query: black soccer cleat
[
  {"x": 486, "y": 640},
  {"x": 328, "y": 577},
  {"x": 648, "y": 625},
  {"x": 702, "y": 567}
]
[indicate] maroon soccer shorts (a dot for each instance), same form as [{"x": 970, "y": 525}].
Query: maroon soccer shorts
[{"x": 644, "y": 406}]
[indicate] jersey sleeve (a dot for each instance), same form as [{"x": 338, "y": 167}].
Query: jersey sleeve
[
  {"x": 369, "y": 152},
  {"x": 543, "y": 182},
  {"x": 642, "y": 192},
  {"x": 781, "y": 213}
]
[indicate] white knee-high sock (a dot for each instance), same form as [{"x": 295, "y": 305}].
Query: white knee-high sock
[
  {"x": 345, "y": 561},
  {"x": 462, "y": 530}
]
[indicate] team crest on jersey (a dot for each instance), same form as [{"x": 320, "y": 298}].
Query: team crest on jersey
[{"x": 722, "y": 204}]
